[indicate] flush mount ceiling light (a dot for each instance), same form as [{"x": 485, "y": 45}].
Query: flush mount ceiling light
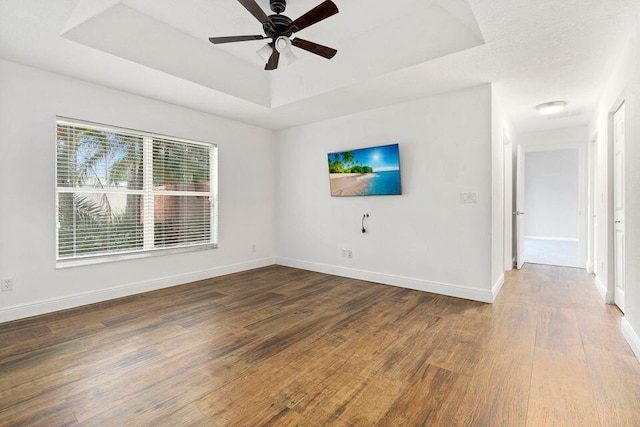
[
  {"x": 549, "y": 108},
  {"x": 279, "y": 28}
]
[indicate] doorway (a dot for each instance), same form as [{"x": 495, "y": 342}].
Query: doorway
[{"x": 551, "y": 194}]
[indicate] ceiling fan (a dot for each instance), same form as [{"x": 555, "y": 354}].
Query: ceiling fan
[{"x": 279, "y": 28}]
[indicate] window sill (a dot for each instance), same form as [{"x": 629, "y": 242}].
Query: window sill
[{"x": 102, "y": 259}]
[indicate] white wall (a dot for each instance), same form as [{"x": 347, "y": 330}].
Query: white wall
[
  {"x": 425, "y": 239},
  {"x": 624, "y": 85},
  {"x": 575, "y": 135},
  {"x": 551, "y": 189},
  {"x": 30, "y": 99}
]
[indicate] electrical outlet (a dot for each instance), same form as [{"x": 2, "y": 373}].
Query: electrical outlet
[
  {"x": 6, "y": 284},
  {"x": 253, "y": 248},
  {"x": 349, "y": 253}
]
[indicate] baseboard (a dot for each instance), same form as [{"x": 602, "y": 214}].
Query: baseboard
[
  {"x": 562, "y": 239},
  {"x": 497, "y": 287},
  {"x": 589, "y": 268},
  {"x": 602, "y": 289},
  {"x": 631, "y": 336},
  {"x": 392, "y": 280},
  {"x": 22, "y": 311}
]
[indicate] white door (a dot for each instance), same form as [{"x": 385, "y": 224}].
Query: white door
[
  {"x": 619, "y": 205},
  {"x": 519, "y": 213}
]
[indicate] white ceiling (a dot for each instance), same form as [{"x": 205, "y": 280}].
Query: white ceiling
[{"x": 389, "y": 52}]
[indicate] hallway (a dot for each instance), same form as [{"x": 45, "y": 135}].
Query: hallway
[{"x": 582, "y": 370}]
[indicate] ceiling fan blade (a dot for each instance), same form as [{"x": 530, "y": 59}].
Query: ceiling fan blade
[
  {"x": 316, "y": 48},
  {"x": 315, "y": 15},
  {"x": 272, "y": 64},
  {"x": 257, "y": 12},
  {"x": 220, "y": 40}
]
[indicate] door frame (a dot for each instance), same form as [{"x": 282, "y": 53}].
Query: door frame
[
  {"x": 520, "y": 200},
  {"x": 508, "y": 201},
  {"x": 583, "y": 180},
  {"x": 592, "y": 215},
  {"x": 607, "y": 222},
  {"x": 612, "y": 209}
]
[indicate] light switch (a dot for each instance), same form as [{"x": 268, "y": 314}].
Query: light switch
[{"x": 469, "y": 197}]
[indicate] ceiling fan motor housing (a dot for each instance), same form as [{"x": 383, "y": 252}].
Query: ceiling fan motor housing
[
  {"x": 278, "y": 6},
  {"x": 281, "y": 28}
]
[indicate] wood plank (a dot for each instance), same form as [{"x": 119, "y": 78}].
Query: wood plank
[
  {"x": 459, "y": 351},
  {"x": 187, "y": 416},
  {"x": 427, "y": 400},
  {"x": 616, "y": 385},
  {"x": 561, "y": 393},
  {"x": 558, "y": 330},
  {"x": 40, "y": 411}
]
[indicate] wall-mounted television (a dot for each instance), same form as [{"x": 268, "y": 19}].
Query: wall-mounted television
[{"x": 373, "y": 171}]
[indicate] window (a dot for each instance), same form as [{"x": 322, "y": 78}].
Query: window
[{"x": 123, "y": 192}]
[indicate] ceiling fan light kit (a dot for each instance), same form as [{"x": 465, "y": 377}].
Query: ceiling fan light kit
[
  {"x": 280, "y": 28},
  {"x": 283, "y": 45},
  {"x": 265, "y": 52}
]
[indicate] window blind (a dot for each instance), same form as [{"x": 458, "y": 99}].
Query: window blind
[{"x": 120, "y": 191}]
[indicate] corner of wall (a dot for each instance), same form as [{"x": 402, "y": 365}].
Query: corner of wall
[
  {"x": 498, "y": 131},
  {"x": 602, "y": 290},
  {"x": 631, "y": 336},
  {"x": 497, "y": 287}
]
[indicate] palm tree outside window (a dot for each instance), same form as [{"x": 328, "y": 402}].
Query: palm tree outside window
[{"x": 121, "y": 191}]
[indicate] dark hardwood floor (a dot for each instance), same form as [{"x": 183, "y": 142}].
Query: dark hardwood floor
[{"x": 285, "y": 347}]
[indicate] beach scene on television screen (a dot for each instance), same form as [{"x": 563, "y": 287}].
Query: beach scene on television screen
[{"x": 371, "y": 171}]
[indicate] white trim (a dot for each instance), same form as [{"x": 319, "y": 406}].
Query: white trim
[
  {"x": 507, "y": 196},
  {"x": 563, "y": 239},
  {"x": 83, "y": 260},
  {"x": 448, "y": 289},
  {"x": 149, "y": 199},
  {"x": 69, "y": 121},
  {"x": 528, "y": 148},
  {"x": 631, "y": 336},
  {"x": 589, "y": 268},
  {"x": 497, "y": 287},
  {"x": 22, "y": 311},
  {"x": 604, "y": 293},
  {"x": 97, "y": 190}
]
